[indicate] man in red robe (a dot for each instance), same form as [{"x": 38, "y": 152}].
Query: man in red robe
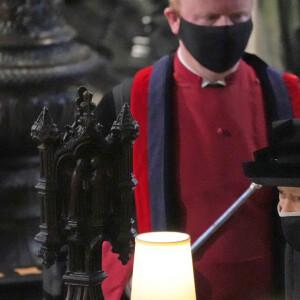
[{"x": 202, "y": 112}]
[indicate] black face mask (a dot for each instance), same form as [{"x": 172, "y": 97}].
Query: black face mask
[
  {"x": 291, "y": 231},
  {"x": 217, "y": 48}
]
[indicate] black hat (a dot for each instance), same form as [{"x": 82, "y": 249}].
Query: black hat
[{"x": 278, "y": 164}]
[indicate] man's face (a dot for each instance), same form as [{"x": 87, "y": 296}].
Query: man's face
[
  {"x": 216, "y": 12},
  {"x": 289, "y": 199}
]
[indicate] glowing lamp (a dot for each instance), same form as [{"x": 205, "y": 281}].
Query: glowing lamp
[{"x": 163, "y": 267}]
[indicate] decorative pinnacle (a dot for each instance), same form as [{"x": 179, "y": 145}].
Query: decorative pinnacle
[
  {"x": 125, "y": 125},
  {"x": 44, "y": 129},
  {"x": 84, "y": 101}
]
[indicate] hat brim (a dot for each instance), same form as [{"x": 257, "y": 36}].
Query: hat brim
[{"x": 273, "y": 174}]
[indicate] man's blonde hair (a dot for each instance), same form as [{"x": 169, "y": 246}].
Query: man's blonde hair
[{"x": 175, "y": 4}]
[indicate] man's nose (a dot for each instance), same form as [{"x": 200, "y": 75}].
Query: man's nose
[{"x": 223, "y": 21}]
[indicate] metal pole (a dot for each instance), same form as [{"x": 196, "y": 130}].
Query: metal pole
[{"x": 227, "y": 214}]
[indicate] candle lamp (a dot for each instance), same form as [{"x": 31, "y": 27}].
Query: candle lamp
[{"x": 163, "y": 267}]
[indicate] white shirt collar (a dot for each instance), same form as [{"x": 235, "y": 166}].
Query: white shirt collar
[{"x": 205, "y": 82}]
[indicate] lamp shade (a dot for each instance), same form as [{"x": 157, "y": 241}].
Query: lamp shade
[{"x": 163, "y": 267}]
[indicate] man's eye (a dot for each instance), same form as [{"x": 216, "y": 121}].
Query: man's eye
[
  {"x": 213, "y": 17},
  {"x": 237, "y": 16},
  {"x": 240, "y": 17}
]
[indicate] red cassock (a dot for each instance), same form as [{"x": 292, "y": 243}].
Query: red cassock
[{"x": 205, "y": 134}]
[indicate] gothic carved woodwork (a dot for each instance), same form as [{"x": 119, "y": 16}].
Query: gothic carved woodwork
[{"x": 86, "y": 193}]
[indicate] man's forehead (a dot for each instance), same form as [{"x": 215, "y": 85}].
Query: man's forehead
[{"x": 217, "y": 5}]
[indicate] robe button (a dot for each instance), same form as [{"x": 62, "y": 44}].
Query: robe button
[{"x": 223, "y": 132}]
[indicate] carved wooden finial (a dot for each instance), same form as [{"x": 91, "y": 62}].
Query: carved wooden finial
[
  {"x": 125, "y": 127},
  {"x": 44, "y": 129}
]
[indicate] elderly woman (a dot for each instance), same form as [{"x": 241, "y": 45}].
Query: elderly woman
[{"x": 279, "y": 165}]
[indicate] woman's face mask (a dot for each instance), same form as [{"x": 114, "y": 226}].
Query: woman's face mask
[
  {"x": 291, "y": 230},
  {"x": 217, "y": 48}
]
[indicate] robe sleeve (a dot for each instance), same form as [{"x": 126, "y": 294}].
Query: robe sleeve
[
  {"x": 139, "y": 109},
  {"x": 118, "y": 274}
]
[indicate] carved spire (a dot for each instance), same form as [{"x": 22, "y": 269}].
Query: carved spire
[
  {"x": 44, "y": 129},
  {"x": 125, "y": 127}
]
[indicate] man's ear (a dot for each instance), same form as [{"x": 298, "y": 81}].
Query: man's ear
[{"x": 173, "y": 19}]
